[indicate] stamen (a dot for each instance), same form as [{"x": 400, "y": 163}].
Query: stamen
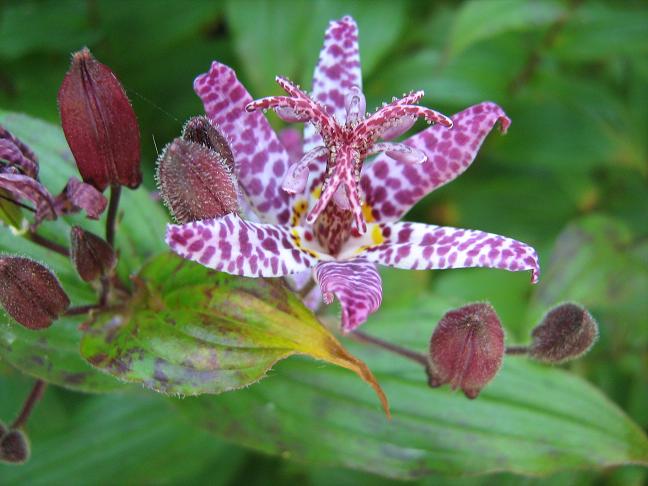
[
  {"x": 398, "y": 127},
  {"x": 401, "y": 152},
  {"x": 296, "y": 178},
  {"x": 355, "y": 105}
]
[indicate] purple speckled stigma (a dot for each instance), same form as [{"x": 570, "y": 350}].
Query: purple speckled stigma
[{"x": 317, "y": 211}]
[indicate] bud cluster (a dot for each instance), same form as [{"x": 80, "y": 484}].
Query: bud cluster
[
  {"x": 195, "y": 173},
  {"x": 467, "y": 346}
]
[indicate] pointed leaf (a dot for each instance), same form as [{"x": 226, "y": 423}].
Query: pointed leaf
[
  {"x": 532, "y": 419},
  {"x": 191, "y": 330}
]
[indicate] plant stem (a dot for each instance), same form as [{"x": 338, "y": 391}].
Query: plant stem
[
  {"x": 415, "y": 356},
  {"x": 35, "y": 395},
  {"x": 517, "y": 350},
  {"x": 50, "y": 245},
  {"x": 111, "y": 219},
  {"x": 115, "y": 192},
  {"x": 81, "y": 309}
]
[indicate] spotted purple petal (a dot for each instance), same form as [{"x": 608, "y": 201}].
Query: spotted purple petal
[
  {"x": 24, "y": 187},
  {"x": 356, "y": 284},
  {"x": 28, "y": 160},
  {"x": 392, "y": 187},
  {"x": 418, "y": 246},
  {"x": 233, "y": 245},
  {"x": 77, "y": 196},
  {"x": 261, "y": 160},
  {"x": 337, "y": 71},
  {"x": 13, "y": 156}
]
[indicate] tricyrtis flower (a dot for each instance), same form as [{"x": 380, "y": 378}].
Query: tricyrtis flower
[
  {"x": 279, "y": 237},
  {"x": 347, "y": 145}
]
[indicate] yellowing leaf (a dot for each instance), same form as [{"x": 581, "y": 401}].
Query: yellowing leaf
[{"x": 190, "y": 330}]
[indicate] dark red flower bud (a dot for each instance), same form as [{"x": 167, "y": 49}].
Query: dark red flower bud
[
  {"x": 566, "y": 332},
  {"x": 466, "y": 348},
  {"x": 92, "y": 256},
  {"x": 14, "y": 447},
  {"x": 30, "y": 293},
  {"x": 200, "y": 129},
  {"x": 195, "y": 182},
  {"x": 99, "y": 124}
]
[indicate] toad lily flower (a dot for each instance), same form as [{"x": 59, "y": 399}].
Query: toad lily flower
[{"x": 350, "y": 230}]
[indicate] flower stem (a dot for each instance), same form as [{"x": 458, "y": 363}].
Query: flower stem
[
  {"x": 115, "y": 192},
  {"x": 415, "y": 356},
  {"x": 35, "y": 395},
  {"x": 517, "y": 350},
  {"x": 111, "y": 219},
  {"x": 50, "y": 245}
]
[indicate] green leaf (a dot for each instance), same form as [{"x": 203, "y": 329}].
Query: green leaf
[
  {"x": 191, "y": 330},
  {"x": 133, "y": 438},
  {"x": 477, "y": 20},
  {"x": 531, "y": 420},
  {"x": 53, "y": 354}
]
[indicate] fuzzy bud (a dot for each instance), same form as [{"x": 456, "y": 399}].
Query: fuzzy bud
[
  {"x": 565, "y": 333},
  {"x": 30, "y": 293},
  {"x": 200, "y": 129},
  {"x": 14, "y": 447},
  {"x": 99, "y": 124},
  {"x": 195, "y": 182},
  {"x": 466, "y": 348},
  {"x": 92, "y": 256}
]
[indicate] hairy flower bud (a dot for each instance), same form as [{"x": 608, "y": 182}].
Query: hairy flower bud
[
  {"x": 566, "y": 332},
  {"x": 30, "y": 293},
  {"x": 14, "y": 447},
  {"x": 466, "y": 348},
  {"x": 99, "y": 124},
  {"x": 195, "y": 182},
  {"x": 200, "y": 129},
  {"x": 92, "y": 256}
]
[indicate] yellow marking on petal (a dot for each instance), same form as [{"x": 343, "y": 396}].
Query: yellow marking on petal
[
  {"x": 376, "y": 235},
  {"x": 367, "y": 212},
  {"x": 299, "y": 209},
  {"x": 317, "y": 192},
  {"x": 298, "y": 243}
]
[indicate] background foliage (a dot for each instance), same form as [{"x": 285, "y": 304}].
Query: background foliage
[{"x": 569, "y": 178}]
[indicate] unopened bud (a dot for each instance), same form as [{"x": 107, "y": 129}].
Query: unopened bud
[
  {"x": 195, "y": 182},
  {"x": 92, "y": 256},
  {"x": 201, "y": 130},
  {"x": 466, "y": 348},
  {"x": 99, "y": 124},
  {"x": 14, "y": 447},
  {"x": 30, "y": 293},
  {"x": 566, "y": 332},
  {"x": 3, "y": 429}
]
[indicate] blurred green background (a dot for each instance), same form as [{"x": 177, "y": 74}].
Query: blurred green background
[{"x": 570, "y": 178}]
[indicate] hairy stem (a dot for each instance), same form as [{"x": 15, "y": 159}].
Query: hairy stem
[
  {"x": 415, "y": 356},
  {"x": 50, "y": 245},
  {"x": 517, "y": 350},
  {"x": 35, "y": 395}
]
